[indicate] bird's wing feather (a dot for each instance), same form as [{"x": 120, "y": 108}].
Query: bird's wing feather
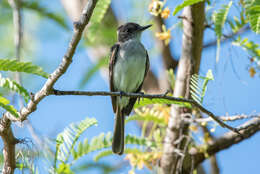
[
  {"x": 127, "y": 110},
  {"x": 113, "y": 56}
]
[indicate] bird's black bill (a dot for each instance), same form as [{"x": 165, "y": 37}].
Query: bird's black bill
[{"x": 145, "y": 27}]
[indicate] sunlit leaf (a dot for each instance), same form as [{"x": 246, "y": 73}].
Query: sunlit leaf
[
  {"x": 68, "y": 138},
  {"x": 219, "y": 18},
  {"x": 16, "y": 66},
  {"x": 13, "y": 86},
  {"x": 253, "y": 14},
  {"x": 4, "y": 103},
  {"x": 184, "y": 4},
  {"x": 98, "y": 15},
  {"x": 146, "y": 101}
]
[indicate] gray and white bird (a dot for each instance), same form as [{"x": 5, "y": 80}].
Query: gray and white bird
[{"x": 129, "y": 64}]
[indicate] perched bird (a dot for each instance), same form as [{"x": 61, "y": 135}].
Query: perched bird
[{"x": 129, "y": 64}]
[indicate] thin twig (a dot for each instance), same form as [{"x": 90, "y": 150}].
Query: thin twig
[
  {"x": 17, "y": 22},
  {"x": 140, "y": 95},
  {"x": 227, "y": 140},
  {"x": 5, "y": 122},
  {"x": 7, "y": 135},
  {"x": 227, "y": 37},
  {"x": 227, "y": 118}
]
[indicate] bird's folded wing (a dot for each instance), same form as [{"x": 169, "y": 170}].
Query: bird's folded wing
[{"x": 113, "y": 56}]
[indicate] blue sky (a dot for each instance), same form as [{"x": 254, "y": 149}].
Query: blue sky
[{"x": 233, "y": 91}]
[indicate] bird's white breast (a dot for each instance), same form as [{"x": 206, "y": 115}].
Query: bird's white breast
[{"x": 130, "y": 66}]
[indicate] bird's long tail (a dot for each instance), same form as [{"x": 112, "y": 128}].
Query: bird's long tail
[{"x": 119, "y": 129}]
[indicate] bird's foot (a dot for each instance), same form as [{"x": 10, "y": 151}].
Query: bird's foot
[
  {"x": 166, "y": 93},
  {"x": 121, "y": 94},
  {"x": 139, "y": 98}
]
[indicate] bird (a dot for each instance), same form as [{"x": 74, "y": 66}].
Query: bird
[{"x": 128, "y": 67}]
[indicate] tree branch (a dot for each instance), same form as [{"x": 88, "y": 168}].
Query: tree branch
[
  {"x": 66, "y": 61},
  {"x": 227, "y": 37},
  {"x": 149, "y": 96},
  {"x": 7, "y": 134},
  {"x": 5, "y": 122},
  {"x": 189, "y": 63},
  {"x": 227, "y": 140}
]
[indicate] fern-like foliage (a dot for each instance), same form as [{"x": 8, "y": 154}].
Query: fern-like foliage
[
  {"x": 130, "y": 140},
  {"x": 69, "y": 137},
  {"x": 219, "y": 19},
  {"x": 98, "y": 15},
  {"x": 198, "y": 86},
  {"x": 13, "y": 86},
  {"x": 253, "y": 14},
  {"x": 4, "y": 103},
  {"x": 237, "y": 23},
  {"x": 145, "y": 101},
  {"x": 184, "y": 4},
  {"x": 252, "y": 48},
  {"x": 16, "y": 66},
  {"x": 148, "y": 117},
  {"x": 97, "y": 143}
]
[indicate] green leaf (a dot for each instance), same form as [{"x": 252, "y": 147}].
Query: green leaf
[
  {"x": 252, "y": 48},
  {"x": 68, "y": 138},
  {"x": 105, "y": 153},
  {"x": 10, "y": 108},
  {"x": 152, "y": 118},
  {"x": 90, "y": 72},
  {"x": 16, "y": 66},
  {"x": 253, "y": 14},
  {"x": 184, "y": 4},
  {"x": 171, "y": 78},
  {"x": 41, "y": 10},
  {"x": 198, "y": 86},
  {"x": 131, "y": 139},
  {"x": 98, "y": 142},
  {"x": 64, "y": 169},
  {"x": 146, "y": 101},
  {"x": 98, "y": 15},
  {"x": 219, "y": 18},
  {"x": 13, "y": 86}
]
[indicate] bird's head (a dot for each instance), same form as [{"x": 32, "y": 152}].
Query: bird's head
[{"x": 129, "y": 31}]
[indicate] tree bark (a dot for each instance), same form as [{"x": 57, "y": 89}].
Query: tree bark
[{"x": 192, "y": 39}]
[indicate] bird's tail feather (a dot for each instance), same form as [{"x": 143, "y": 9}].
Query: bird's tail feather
[{"x": 119, "y": 129}]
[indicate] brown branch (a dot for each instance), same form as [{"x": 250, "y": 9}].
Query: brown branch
[
  {"x": 66, "y": 61},
  {"x": 7, "y": 134},
  {"x": 17, "y": 22},
  {"x": 149, "y": 96},
  {"x": 192, "y": 39},
  {"x": 5, "y": 129},
  {"x": 227, "y": 140},
  {"x": 227, "y": 37}
]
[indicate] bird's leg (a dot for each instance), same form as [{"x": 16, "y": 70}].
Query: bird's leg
[
  {"x": 121, "y": 94},
  {"x": 167, "y": 92},
  {"x": 138, "y": 98}
]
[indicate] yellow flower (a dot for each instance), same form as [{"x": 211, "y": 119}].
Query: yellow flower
[
  {"x": 165, "y": 36},
  {"x": 155, "y": 7},
  {"x": 252, "y": 72},
  {"x": 165, "y": 13},
  {"x": 193, "y": 128}
]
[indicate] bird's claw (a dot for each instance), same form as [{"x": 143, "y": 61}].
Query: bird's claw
[
  {"x": 138, "y": 98},
  {"x": 121, "y": 94},
  {"x": 167, "y": 92}
]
